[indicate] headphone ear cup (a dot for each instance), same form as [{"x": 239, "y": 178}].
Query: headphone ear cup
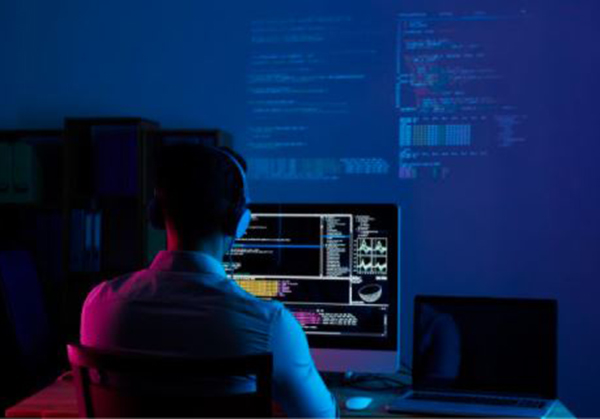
[
  {"x": 243, "y": 224},
  {"x": 156, "y": 215}
]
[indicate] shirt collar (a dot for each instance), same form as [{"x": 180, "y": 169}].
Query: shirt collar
[{"x": 180, "y": 261}]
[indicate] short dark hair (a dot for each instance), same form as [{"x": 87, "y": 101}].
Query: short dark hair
[{"x": 196, "y": 185}]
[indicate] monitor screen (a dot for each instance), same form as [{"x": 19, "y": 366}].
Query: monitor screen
[
  {"x": 486, "y": 345},
  {"x": 335, "y": 267}
]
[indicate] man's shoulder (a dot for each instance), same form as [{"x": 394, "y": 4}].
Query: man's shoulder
[
  {"x": 189, "y": 290},
  {"x": 271, "y": 308},
  {"x": 110, "y": 288}
]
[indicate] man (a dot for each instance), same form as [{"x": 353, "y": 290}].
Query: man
[{"x": 184, "y": 303}]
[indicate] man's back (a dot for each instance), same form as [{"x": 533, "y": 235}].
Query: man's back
[{"x": 185, "y": 305}]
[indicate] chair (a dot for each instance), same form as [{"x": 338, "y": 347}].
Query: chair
[
  {"x": 101, "y": 394},
  {"x": 27, "y": 340}
]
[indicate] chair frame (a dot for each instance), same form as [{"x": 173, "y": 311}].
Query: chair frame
[{"x": 84, "y": 360}]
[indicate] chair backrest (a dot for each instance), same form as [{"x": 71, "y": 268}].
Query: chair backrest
[{"x": 108, "y": 384}]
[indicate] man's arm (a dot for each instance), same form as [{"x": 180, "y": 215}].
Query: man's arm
[{"x": 297, "y": 385}]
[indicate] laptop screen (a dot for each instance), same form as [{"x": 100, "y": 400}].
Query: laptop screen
[{"x": 488, "y": 345}]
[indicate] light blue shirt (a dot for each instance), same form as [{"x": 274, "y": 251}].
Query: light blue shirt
[{"x": 184, "y": 304}]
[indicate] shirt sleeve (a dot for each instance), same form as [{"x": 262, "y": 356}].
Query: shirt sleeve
[{"x": 297, "y": 385}]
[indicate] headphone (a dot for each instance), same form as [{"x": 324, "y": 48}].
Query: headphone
[{"x": 236, "y": 218}]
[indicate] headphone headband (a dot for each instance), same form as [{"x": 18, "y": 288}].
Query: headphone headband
[
  {"x": 241, "y": 213},
  {"x": 239, "y": 167},
  {"x": 238, "y": 216}
]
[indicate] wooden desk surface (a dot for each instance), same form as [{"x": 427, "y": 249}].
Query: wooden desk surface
[{"x": 58, "y": 400}]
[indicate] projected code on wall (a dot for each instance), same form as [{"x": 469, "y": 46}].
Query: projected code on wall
[
  {"x": 452, "y": 94},
  {"x": 307, "y": 78},
  {"x": 330, "y": 270},
  {"x": 405, "y": 95}
]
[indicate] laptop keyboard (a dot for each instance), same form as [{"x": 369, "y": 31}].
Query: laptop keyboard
[{"x": 486, "y": 400}]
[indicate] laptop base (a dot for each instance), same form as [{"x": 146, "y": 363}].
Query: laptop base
[{"x": 430, "y": 403}]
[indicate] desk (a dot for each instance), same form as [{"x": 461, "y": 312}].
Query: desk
[{"x": 58, "y": 400}]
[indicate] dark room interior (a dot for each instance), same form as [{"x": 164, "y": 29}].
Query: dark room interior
[{"x": 404, "y": 174}]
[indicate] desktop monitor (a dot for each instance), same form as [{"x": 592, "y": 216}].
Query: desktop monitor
[{"x": 335, "y": 267}]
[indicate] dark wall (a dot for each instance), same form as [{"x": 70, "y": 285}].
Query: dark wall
[{"x": 521, "y": 222}]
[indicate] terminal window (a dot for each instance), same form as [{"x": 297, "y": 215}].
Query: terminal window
[{"x": 334, "y": 270}]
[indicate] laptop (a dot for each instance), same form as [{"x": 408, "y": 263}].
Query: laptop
[{"x": 482, "y": 357}]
